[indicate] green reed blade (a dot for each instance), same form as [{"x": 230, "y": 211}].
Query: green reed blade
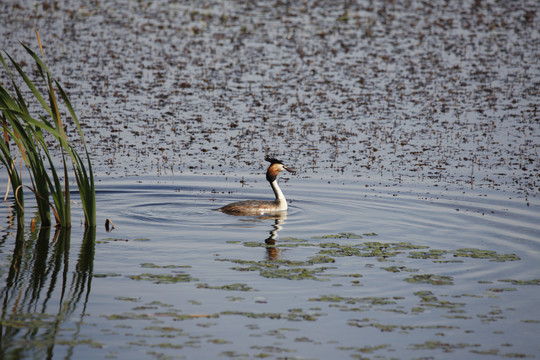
[
  {"x": 85, "y": 182},
  {"x": 15, "y": 179},
  {"x": 28, "y": 133},
  {"x": 31, "y": 86}
]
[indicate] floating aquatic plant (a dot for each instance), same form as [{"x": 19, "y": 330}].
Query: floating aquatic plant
[
  {"x": 522, "y": 282},
  {"x": 231, "y": 287},
  {"x": 164, "y": 278},
  {"x": 342, "y": 235},
  {"x": 430, "y": 279},
  {"x": 485, "y": 254}
]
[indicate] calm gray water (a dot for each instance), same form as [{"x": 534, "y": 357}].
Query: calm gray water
[{"x": 349, "y": 271}]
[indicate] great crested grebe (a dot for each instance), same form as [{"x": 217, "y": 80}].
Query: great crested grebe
[{"x": 257, "y": 207}]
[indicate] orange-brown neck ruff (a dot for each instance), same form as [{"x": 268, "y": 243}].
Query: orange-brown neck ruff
[{"x": 272, "y": 172}]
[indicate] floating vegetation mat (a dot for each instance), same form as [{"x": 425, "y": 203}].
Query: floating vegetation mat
[
  {"x": 285, "y": 304},
  {"x": 431, "y": 296},
  {"x": 359, "y": 90}
]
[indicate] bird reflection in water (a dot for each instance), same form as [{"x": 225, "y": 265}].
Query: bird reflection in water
[{"x": 272, "y": 252}]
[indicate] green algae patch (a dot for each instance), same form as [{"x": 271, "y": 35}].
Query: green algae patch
[
  {"x": 320, "y": 259},
  {"x": 403, "y": 245},
  {"x": 438, "y": 255},
  {"x": 428, "y": 299},
  {"x": 166, "y": 331},
  {"x": 128, "y": 316},
  {"x": 355, "y": 300},
  {"x": 235, "y": 355},
  {"x": 337, "y": 250},
  {"x": 439, "y": 345},
  {"x": 256, "y": 244},
  {"x": 291, "y": 315},
  {"x": 383, "y": 251},
  {"x": 485, "y": 254},
  {"x": 285, "y": 269},
  {"x": 294, "y": 273},
  {"x": 396, "y": 269},
  {"x": 365, "y": 349},
  {"x": 522, "y": 282},
  {"x": 429, "y": 254},
  {"x": 289, "y": 239},
  {"x": 218, "y": 341},
  {"x": 129, "y": 299},
  {"x": 281, "y": 262},
  {"x": 231, "y": 287},
  {"x": 430, "y": 279},
  {"x": 163, "y": 278},
  {"x": 154, "y": 266},
  {"x": 75, "y": 342},
  {"x": 157, "y": 316},
  {"x": 268, "y": 350},
  {"x": 368, "y": 249},
  {"x": 29, "y": 320},
  {"x": 343, "y": 235},
  {"x": 165, "y": 346},
  {"x": 235, "y": 298},
  {"x": 498, "y": 290},
  {"x": 362, "y": 323},
  {"x": 159, "y": 303},
  {"x": 453, "y": 261},
  {"x": 497, "y": 352}
]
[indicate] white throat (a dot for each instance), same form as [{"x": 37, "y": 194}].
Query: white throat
[{"x": 280, "y": 198}]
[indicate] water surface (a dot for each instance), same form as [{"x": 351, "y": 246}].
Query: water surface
[
  {"x": 349, "y": 271},
  {"x": 413, "y": 227}
]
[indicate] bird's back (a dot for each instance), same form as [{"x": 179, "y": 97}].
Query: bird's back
[{"x": 253, "y": 207}]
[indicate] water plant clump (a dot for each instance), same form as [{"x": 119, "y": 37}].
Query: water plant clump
[
  {"x": 230, "y": 287},
  {"x": 285, "y": 269},
  {"x": 342, "y": 235},
  {"x": 26, "y": 140},
  {"x": 396, "y": 269},
  {"x": 154, "y": 266},
  {"x": 428, "y": 299},
  {"x": 368, "y": 249},
  {"x": 430, "y": 279},
  {"x": 164, "y": 278},
  {"x": 355, "y": 300},
  {"x": 294, "y": 273},
  {"x": 522, "y": 282},
  {"x": 485, "y": 254},
  {"x": 444, "y": 346},
  {"x": 362, "y": 323},
  {"x": 290, "y": 315}
]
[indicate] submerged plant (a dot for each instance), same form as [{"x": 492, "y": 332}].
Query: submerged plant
[{"x": 30, "y": 133}]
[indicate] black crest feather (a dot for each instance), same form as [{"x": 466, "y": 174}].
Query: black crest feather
[{"x": 273, "y": 160}]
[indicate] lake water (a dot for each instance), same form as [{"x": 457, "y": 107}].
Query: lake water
[
  {"x": 349, "y": 271},
  {"x": 413, "y": 227}
]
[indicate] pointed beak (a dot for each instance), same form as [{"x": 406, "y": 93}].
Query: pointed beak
[{"x": 290, "y": 169}]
